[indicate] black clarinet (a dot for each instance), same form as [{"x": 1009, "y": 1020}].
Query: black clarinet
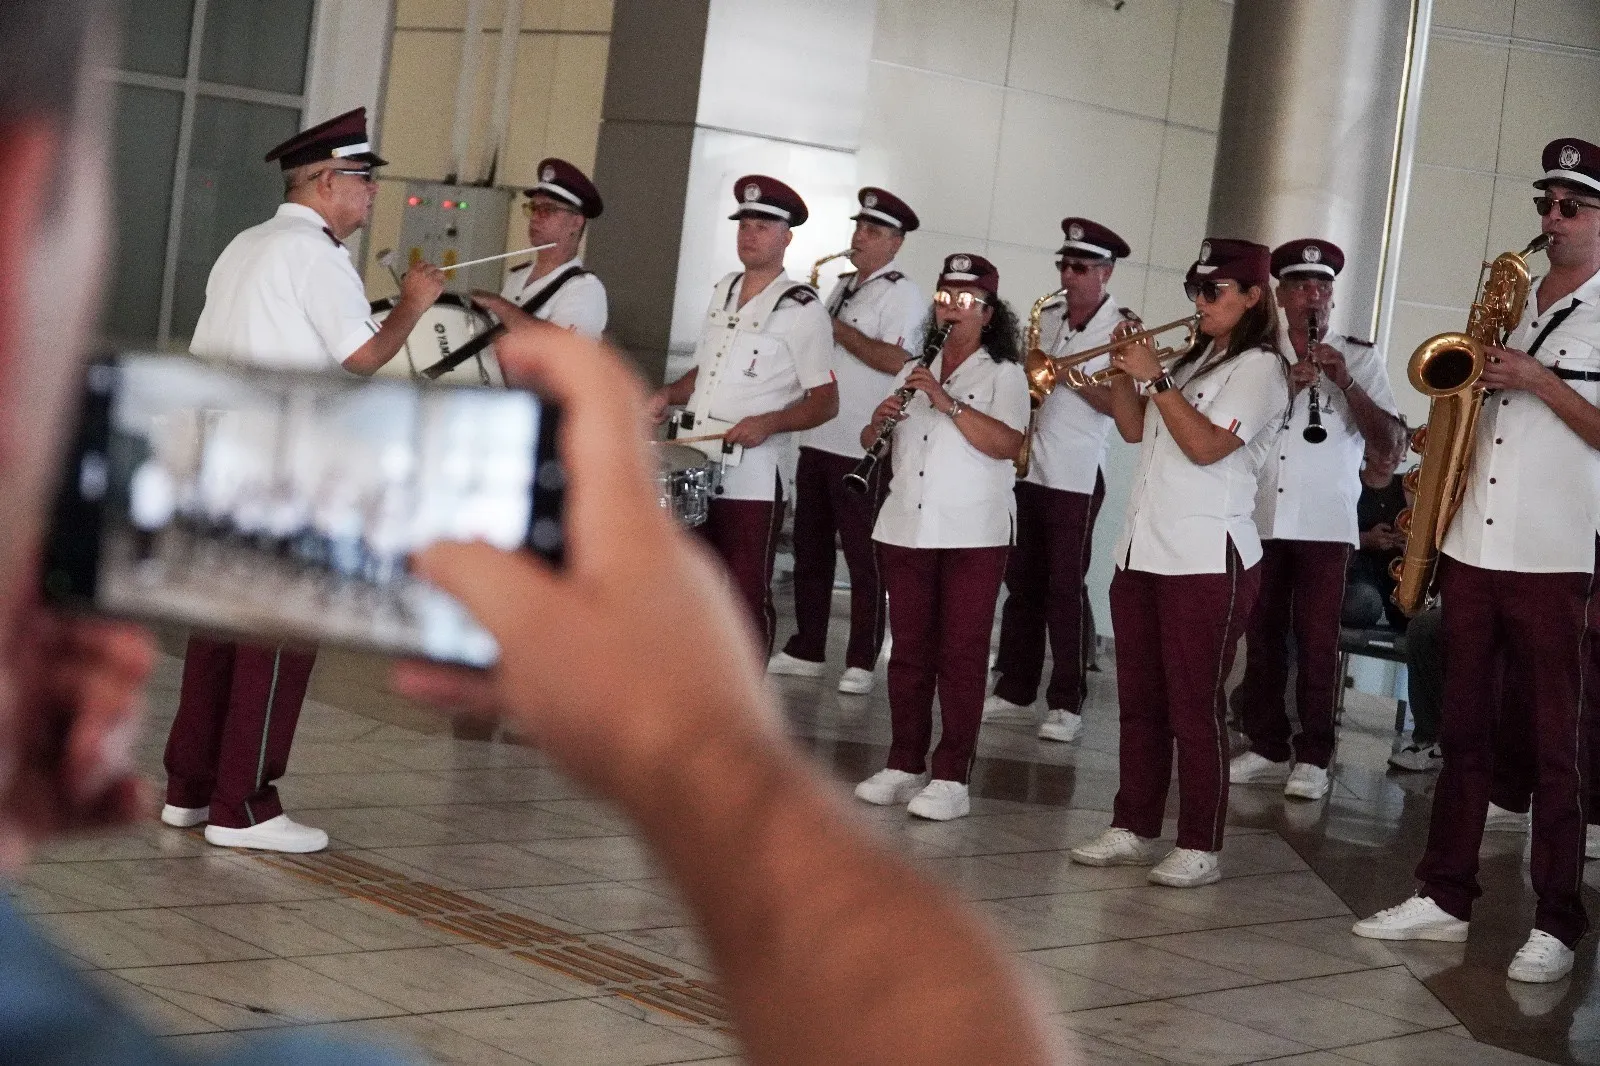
[
  {"x": 1314, "y": 433},
  {"x": 857, "y": 480}
]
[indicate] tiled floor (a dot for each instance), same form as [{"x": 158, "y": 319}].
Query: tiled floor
[{"x": 482, "y": 908}]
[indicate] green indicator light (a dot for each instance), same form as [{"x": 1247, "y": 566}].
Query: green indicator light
[{"x": 462, "y": 205}]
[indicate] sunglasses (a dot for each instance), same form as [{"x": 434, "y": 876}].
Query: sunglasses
[
  {"x": 963, "y": 300},
  {"x": 1569, "y": 207},
  {"x": 1075, "y": 266},
  {"x": 1209, "y": 290},
  {"x": 532, "y": 209}
]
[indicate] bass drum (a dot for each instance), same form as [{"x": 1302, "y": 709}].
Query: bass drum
[{"x": 443, "y": 328}]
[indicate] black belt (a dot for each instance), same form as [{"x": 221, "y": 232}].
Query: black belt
[{"x": 1576, "y": 375}]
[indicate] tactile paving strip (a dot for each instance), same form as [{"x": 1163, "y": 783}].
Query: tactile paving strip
[{"x": 580, "y": 958}]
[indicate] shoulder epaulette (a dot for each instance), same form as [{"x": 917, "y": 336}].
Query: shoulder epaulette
[
  {"x": 1358, "y": 342},
  {"x": 800, "y": 294},
  {"x": 894, "y": 276}
]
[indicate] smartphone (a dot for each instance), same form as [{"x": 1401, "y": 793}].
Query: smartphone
[{"x": 284, "y": 506}]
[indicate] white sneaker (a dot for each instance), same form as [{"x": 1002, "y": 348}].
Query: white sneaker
[
  {"x": 941, "y": 801},
  {"x": 1186, "y": 868},
  {"x": 1307, "y": 782},
  {"x": 1541, "y": 960},
  {"x": 1061, "y": 726},
  {"x": 855, "y": 681},
  {"x": 1418, "y": 918},
  {"x": 996, "y": 709},
  {"x": 1115, "y": 847},
  {"x": 184, "y": 817},
  {"x": 1418, "y": 757},
  {"x": 275, "y": 834},
  {"x": 1500, "y": 820},
  {"x": 886, "y": 788},
  {"x": 1252, "y": 769},
  {"x": 1591, "y": 842},
  {"x": 787, "y": 665}
]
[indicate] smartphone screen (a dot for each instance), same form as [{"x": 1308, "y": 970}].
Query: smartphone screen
[{"x": 287, "y": 506}]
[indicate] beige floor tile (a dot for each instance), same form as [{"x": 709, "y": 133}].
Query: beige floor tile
[
  {"x": 1298, "y": 1015},
  {"x": 1078, "y": 1047},
  {"x": 1067, "y": 992},
  {"x": 1394, "y": 992},
  {"x": 682, "y": 944},
  {"x": 260, "y": 993},
  {"x": 485, "y": 866},
  {"x": 408, "y": 788},
  {"x": 384, "y": 827},
  {"x": 1180, "y": 1035},
  {"x": 154, "y": 1013},
  {"x": 205, "y": 1047},
  {"x": 597, "y": 813},
  {"x": 143, "y": 841},
  {"x": 332, "y": 757},
  {"x": 1244, "y": 854},
  {"x": 1114, "y": 913},
  {"x": 510, "y": 822},
  {"x": 604, "y": 908},
  {"x": 418, "y": 1037},
  {"x": 113, "y": 940},
  {"x": 1434, "y": 1049},
  {"x": 446, "y": 753},
  {"x": 702, "y": 1034},
  {"x": 576, "y": 1033},
  {"x": 1251, "y": 900},
  {"x": 1027, "y": 928},
  {"x": 431, "y": 979},
  {"x": 978, "y": 877},
  {"x": 219, "y": 876},
  {"x": 1148, "y": 971},
  {"x": 1251, "y": 953},
  {"x": 614, "y": 858},
  {"x": 318, "y": 927},
  {"x": 510, "y": 785},
  {"x": 1331, "y": 936}
]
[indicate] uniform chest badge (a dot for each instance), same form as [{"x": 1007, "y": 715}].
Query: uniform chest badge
[{"x": 750, "y": 371}]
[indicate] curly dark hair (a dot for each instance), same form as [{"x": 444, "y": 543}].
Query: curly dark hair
[
  {"x": 1001, "y": 338},
  {"x": 1256, "y": 328}
]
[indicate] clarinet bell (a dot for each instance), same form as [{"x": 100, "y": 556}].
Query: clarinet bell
[{"x": 1315, "y": 434}]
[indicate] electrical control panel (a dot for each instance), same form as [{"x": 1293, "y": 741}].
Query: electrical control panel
[{"x": 448, "y": 224}]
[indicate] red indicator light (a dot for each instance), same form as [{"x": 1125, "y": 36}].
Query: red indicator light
[
  {"x": 415, "y": 201},
  {"x": 448, "y": 205}
]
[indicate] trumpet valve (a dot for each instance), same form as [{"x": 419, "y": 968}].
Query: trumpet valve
[{"x": 1077, "y": 379}]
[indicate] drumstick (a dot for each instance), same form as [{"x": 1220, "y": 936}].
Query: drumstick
[
  {"x": 492, "y": 258},
  {"x": 701, "y": 439}
]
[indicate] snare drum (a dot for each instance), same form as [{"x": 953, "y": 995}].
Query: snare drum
[
  {"x": 443, "y": 328},
  {"x": 686, "y": 480}
]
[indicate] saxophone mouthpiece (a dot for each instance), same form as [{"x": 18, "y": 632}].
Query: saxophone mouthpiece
[{"x": 1538, "y": 244}]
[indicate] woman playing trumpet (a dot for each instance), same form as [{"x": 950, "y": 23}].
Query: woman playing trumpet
[
  {"x": 1187, "y": 559},
  {"x": 943, "y": 535}
]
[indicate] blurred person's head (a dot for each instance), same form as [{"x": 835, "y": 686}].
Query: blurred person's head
[{"x": 54, "y": 230}]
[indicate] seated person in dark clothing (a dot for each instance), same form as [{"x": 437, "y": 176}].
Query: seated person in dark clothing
[{"x": 1367, "y": 592}]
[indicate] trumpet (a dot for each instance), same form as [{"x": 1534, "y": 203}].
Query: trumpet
[
  {"x": 1046, "y": 372},
  {"x": 816, "y": 268}
]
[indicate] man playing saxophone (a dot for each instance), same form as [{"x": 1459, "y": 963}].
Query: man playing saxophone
[
  {"x": 1306, "y": 512},
  {"x": 877, "y": 314},
  {"x": 1058, "y": 501},
  {"x": 1516, "y": 574}
]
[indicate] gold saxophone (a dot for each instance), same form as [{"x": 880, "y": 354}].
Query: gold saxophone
[
  {"x": 816, "y": 268},
  {"x": 1446, "y": 369},
  {"x": 1036, "y": 394}
]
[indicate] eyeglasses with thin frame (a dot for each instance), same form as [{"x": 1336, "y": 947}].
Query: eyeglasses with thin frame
[
  {"x": 366, "y": 174},
  {"x": 1076, "y": 266},
  {"x": 532, "y": 208},
  {"x": 964, "y": 300},
  {"x": 1568, "y": 206},
  {"x": 1210, "y": 290}
]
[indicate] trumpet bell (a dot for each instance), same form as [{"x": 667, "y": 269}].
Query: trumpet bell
[
  {"x": 1446, "y": 365},
  {"x": 1041, "y": 371}
]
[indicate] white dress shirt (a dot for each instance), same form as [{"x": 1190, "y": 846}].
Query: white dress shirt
[
  {"x": 1069, "y": 436},
  {"x": 1181, "y": 516},
  {"x": 887, "y": 307},
  {"x": 579, "y": 305},
  {"x": 946, "y": 493},
  {"x": 1532, "y": 503},
  {"x": 284, "y": 295},
  {"x": 756, "y": 359},
  {"x": 1309, "y": 491}
]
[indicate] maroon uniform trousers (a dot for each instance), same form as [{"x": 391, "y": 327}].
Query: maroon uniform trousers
[
  {"x": 823, "y": 509},
  {"x": 1045, "y": 594},
  {"x": 1176, "y": 635},
  {"x": 1536, "y": 624},
  {"x": 744, "y": 533},
  {"x": 236, "y": 718},
  {"x": 1302, "y": 594},
  {"x": 941, "y": 613}
]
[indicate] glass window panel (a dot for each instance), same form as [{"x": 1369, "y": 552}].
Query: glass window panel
[
  {"x": 256, "y": 44},
  {"x": 144, "y": 158},
  {"x": 155, "y": 36},
  {"x": 229, "y": 190}
]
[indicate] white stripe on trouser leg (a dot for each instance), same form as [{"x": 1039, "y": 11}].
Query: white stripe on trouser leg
[{"x": 266, "y": 728}]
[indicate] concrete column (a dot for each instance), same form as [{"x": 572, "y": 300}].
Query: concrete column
[
  {"x": 699, "y": 92},
  {"x": 1318, "y": 114}
]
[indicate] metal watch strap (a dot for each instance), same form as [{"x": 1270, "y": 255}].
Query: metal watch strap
[{"x": 1161, "y": 384}]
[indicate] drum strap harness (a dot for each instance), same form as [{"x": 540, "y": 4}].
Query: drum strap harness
[
  {"x": 751, "y": 318},
  {"x": 533, "y": 306}
]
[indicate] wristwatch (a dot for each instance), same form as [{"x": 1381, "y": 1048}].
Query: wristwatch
[
  {"x": 1159, "y": 385},
  {"x": 956, "y": 407}
]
